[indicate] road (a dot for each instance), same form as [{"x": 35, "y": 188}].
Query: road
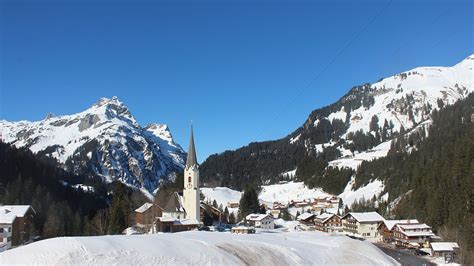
[{"x": 404, "y": 257}]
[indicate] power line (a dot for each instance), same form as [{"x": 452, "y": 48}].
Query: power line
[{"x": 327, "y": 66}]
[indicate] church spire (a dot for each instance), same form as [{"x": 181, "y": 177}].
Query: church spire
[{"x": 191, "y": 160}]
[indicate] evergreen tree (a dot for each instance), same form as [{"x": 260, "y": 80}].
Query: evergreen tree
[{"x": 249, "y": 203}]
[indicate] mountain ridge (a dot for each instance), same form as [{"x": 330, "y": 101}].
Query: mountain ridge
[
  {"x": 366, "y": 116},
  {"x": 106, "y": 140}
]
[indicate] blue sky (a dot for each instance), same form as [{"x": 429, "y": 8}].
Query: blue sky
[{"x": 243, "y": 71}]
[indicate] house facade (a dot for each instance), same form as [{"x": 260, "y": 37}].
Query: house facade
[
  {"x": 307, "y": 218},
  {"x": 6, "y": 230},
  {"x": 263, "y": 221},
  {"x": 412, "y": 235},
  {"x": 385, "y": 229},
  {"x": 15, "y": 224},
  {"x": 329, "y": 223},
  {"x": 147, "y": 214},
  {"x": 448, "y": 250},
  {"x": 362, "y": 224}
]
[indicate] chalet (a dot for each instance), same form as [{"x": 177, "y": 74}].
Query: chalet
[
  {"x": 328, "y": 222},
  {"x": 307, "y": 218},
  {"x": 448, "y": 250},
  {"x": 243, "y": 230},
  {"x": 300, "y": 204},
  {"x": 412, "y": 235},
  {"x": 385, "y": 229},
  {"x": 264, "y": 221},
  {"x": 233, "y": 204},
  {"x": 15, "y": 224},
  {"x": 362, "y": 224},
  {"x": 147, "y": 213},
  {"x": 172, "y": 225}
]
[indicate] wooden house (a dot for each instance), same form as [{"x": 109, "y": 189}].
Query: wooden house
[
  {"x": 307, "y": 218},
  {"x": 147, "y": 214},
  {"x": 328, "y": 222},
  {"x": 15, "y": 224},
  {"x": 448, "y": 250},
  {"x": 385, "y": 229},
  {"x": 412, "y": 235}
]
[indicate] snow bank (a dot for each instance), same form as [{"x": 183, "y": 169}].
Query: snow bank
[{"x": 199, "y": 248}]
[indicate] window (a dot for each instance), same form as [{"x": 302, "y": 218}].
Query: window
[{"x": 1, "y": 229}]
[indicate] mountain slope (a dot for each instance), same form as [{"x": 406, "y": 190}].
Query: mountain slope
[
  {"x": 105, "y": 140},
  {"x": 367, "y": 116}
]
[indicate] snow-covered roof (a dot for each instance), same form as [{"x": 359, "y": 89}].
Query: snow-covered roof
[
  {"x": 7, "y": 217},
  {"x": 391, "y": 223},
  {"x": 144, "y": 207},
  {"x": 18, "y": 210},
  {"x": 413, "y": 226},
  {"x": 444, "y": 246},
  {"x": 188, "y": 222},
  {"x": 305, "y": 216},
  {"x": 324, "y": 216},
  {"x": 256, "y": 217},
  {"x": 366, "y": 216},
  {"x": 418, "y": 233}
]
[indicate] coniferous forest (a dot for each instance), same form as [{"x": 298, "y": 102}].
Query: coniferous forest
[
  {"x": 434, "y": 181},
  {"x": 61, "y": 209}
]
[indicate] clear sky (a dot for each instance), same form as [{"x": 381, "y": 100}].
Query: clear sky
[{"x": 243, "y": 71}]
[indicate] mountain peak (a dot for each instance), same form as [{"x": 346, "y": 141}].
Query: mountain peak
[{"x": 106, "y": 101}]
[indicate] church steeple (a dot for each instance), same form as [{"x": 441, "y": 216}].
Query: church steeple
[{"x": 191, "y": 160}]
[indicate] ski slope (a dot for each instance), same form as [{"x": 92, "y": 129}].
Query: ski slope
[{"x": 200, "y": 248}]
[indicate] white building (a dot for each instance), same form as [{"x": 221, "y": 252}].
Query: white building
[
  {"x": 7, "y": 218},
  {"x": 362, "y": 224},
  {"x": 264, "y": 221},
  {"x": 191, "y": 192}
]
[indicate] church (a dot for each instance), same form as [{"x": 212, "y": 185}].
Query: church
[{"x": 182, "y": 213}]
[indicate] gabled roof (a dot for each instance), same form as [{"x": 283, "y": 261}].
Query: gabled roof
[
  {"x": 144, "y": 207},
  {"x": 325, "y": 216},
  {"x": 391, "y": 223},
  {"x": 305, "y": 216},
  {"x": 174, "y": 204},
  {"x": 413, "y": 226},
  {"x": 7, "y": 217},
  {"x": 366, "y": 216},
  {"x": 256, "y": 217},
  {"x": 18, "y": 210},
  {"x": 444, "y": 246}
]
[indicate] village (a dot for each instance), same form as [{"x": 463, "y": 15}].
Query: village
[{"x": 188, "y": 210}]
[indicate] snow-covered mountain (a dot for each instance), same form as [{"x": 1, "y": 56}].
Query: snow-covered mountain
[
  {"x": 360, "y": 126},
  {"x": 105, "y": 140}
]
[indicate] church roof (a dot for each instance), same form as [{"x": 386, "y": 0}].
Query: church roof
[
  {"x": 174, "y": 204},
  {"x": 191, "y": 160}
]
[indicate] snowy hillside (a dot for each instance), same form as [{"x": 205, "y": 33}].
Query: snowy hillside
[
  {"x": 360, "y": 126},
  {"x": 105, "y": 140},
  {"x": 200, "y": 248},
  {"x": 284, "y": 193}
]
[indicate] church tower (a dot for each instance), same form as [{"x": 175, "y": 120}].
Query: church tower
[{"x": 191, "y": 191}]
